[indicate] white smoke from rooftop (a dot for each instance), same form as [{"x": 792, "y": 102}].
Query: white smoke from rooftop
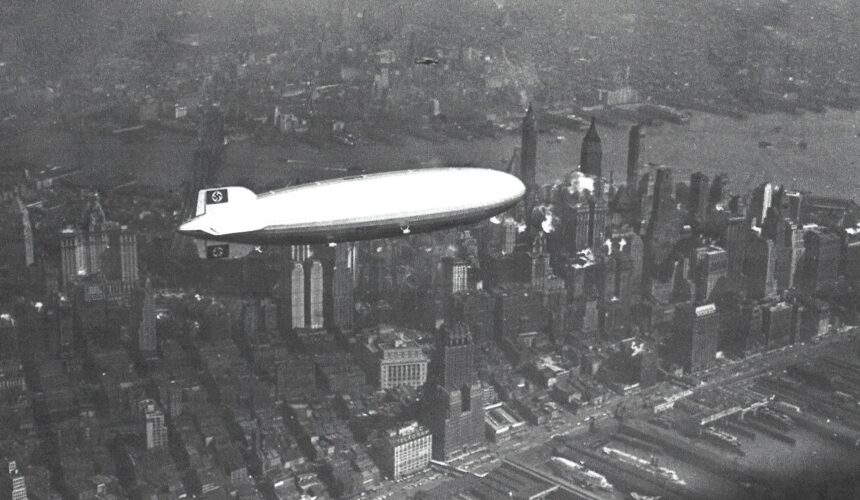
[
  {"x": 579, "y": 183},
  {"x": 548, "y": 224},
  {"x": 584, "y": 258}
]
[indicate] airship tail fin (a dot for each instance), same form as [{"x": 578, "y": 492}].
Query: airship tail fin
[
  {"x": 215, "y": 199},
  {"x": 219, "y": 250}
]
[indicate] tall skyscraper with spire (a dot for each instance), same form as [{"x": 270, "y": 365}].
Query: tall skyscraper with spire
[
  {"x": 528, "y": 154},
  {"x": 591, "y": 154},
  {"x": 625, "y": 203}
]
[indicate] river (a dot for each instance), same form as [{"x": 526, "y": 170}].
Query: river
[{"x": 830, "y": 164}]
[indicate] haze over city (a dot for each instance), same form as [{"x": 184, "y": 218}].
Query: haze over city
[{"x": 670, "y": 311}]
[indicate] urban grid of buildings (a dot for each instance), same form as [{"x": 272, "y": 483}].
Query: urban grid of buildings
[{"x": 128, "y": 368}]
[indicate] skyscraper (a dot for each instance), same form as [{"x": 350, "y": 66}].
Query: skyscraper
[
  {"x": 698, "y": 331},
  {"x": 591, "y": 154},
  {"x": 456, "y": 412},
  {"x": 625, "y": 204},
  {"x": 455, "y": 276},
  {"x": 103, "y": 248},
  {"x": 314, "y": 313},
  {"x": 12, "y": 483},
  {"x": 821, "y": 260},
  {"x": 156, "y": 430},
  {"x": 789, "y": 250},
  {"x": 698, "y": 199},
  {"x": 457, "y": 356},
  {"x": 528, "y": 155},
  {"x": 582, "y": 215},
  {"x": 16, "y": 245},
  {"x": 291, "y": 305},
  {"x": 633, "y": 157},
  {"x": 664, "y": 224},
  {"x": 541, "y": 271},
  {"x": 777, "y": 328},
  {"x": 173, "y": 397},
  {"x": 457, "y": 420},
  {"x": 572, "y": 233},
  {"x": 716, "y": 193},
  {"x": 734, "y": 239},
  {"x": 146, "y": 339},
  {"x": 518, "y": 311},
  {"x": 597, "y": 217},
  {"x": 300, "y": 253},
  {"x": 476, "y": 309},
  {"x": 759, "y": 268},
  {"x": 339, "y": 288},
  {"x": 762, "y": 199},
  {"x": 793, "y": 201},
  {"x": 711, "y": 266}
]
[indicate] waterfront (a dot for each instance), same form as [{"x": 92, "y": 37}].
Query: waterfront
[{"x": 709, "y": 143}]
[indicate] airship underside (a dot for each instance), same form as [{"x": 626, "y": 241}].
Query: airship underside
[{"x": 352, "y": 208}]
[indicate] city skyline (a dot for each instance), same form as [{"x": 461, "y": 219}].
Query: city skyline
[{"x": 670, "y": 311}]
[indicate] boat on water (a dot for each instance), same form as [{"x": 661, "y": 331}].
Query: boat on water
[
  {"x": 661, "y": 112},
  {"x": 580, "y": 474},
  {"x": 646, "y": 465}
]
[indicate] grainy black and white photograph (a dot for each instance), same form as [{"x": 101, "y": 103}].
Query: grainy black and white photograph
[{"x": 430, "y": 249}]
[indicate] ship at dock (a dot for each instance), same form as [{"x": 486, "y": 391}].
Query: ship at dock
[
  {"x": 580, "y": 474},
  {"x": 776, "y": 418},
  {"x": 721, "y": 438},
  {"x": 648, "y": 466}
]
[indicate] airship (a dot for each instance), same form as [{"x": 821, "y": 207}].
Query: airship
[{"x": 231, "y": 221}]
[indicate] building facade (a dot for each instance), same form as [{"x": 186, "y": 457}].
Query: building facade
[
  {"x": 407, "y": 450},
  {"x": 402, "y": 363},
  {"x": 697, "y": 337}
]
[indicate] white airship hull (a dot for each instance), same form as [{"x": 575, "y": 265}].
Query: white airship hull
[{"x": 355, "y": 208}]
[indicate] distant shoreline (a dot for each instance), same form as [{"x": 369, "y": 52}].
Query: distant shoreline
[{"x": 708, "y": 143}]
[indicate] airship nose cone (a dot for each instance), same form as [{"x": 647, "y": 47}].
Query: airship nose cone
[
  {"x": 510, "y": 185},
  {"x": 517, "y": 187}
]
